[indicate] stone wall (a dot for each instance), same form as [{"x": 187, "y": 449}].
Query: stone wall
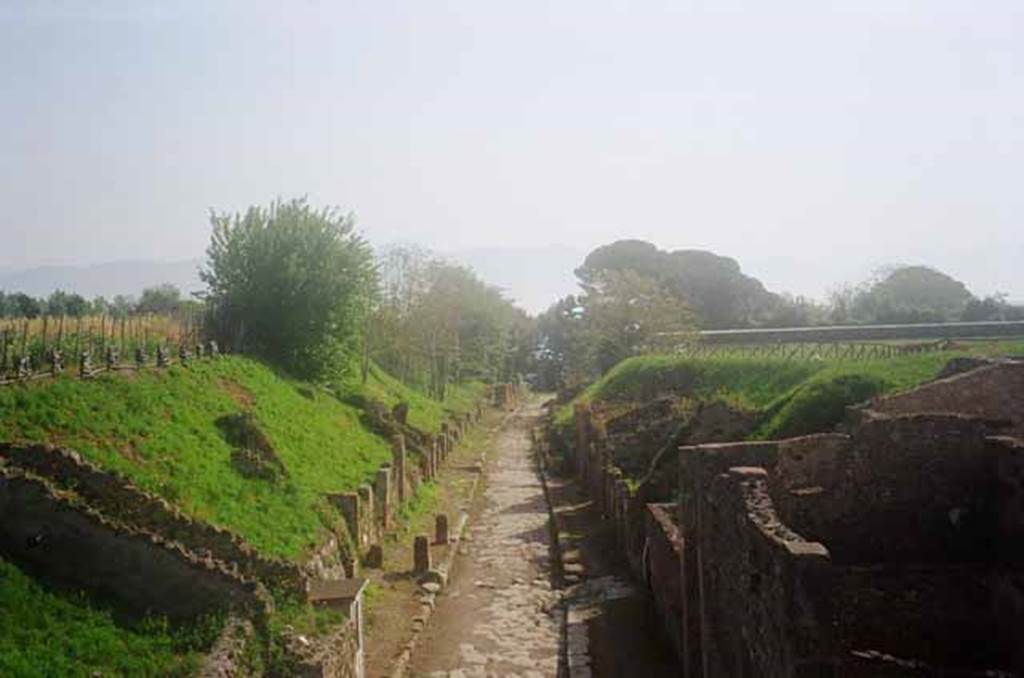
[
  {"x": 994, "y": 392},
  {"x": 893, "y": 550},
  {"x": 336, "y": 655},
  {"x": 662, "y": 564},
  {"x": 55, "y": 536},
  {"x": 766, "y": 609},
  {"x": 927, "y": 478},
  {"x": 118, "y": 498}
]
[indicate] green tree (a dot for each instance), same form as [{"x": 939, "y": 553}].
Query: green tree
[
  {"x": 160, "y": 299},
  {"x": 911, "y": 294},
  {"x": 291, "y": 283},
  {"x": 22, "y": 305}
]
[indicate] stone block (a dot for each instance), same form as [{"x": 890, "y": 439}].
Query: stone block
[
  {"x": 421, "y": 554},
  {"x": 441, "y": 529}
]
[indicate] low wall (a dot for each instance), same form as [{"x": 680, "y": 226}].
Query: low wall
[
  {"x": 928, "y": 478},
  {"x": 994, "y": 392},
  {"x": 663, "y": 560},
  {"x": 766, "y": 609},
  {"x": 57, "y": 538},
  {"x": 116, "y": 497},
  {"x": 336, "y": 655}
]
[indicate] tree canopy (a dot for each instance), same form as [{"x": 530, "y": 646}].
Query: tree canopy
[{"x": 291, "y": 283}]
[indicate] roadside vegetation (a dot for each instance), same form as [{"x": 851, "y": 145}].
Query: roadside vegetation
[
  {"x": 165, "y": 431},
  {"x": 43, "y": 633},
  {"x": 793, "y": 397}
]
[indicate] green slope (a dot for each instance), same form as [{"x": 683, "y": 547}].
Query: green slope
[
  {"x": 795, "y": 396},
  {"x": 160, "y": 429},
  {"x": 49, "y": 634}
]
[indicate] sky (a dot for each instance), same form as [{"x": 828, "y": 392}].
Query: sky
[{"x": 811, "y": 141}]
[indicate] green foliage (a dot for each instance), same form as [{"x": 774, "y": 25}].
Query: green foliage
[
  {"x": 437, "y": 324},
  {"x": 46, "y": 634},
  {"x": 160, "y": 429},
  {"x": 906, "y": 294},
  {"x": 795, "y": 397},
  {"x": 162, "y": 300},
  {"x": 292, "y": 283},
  {"x": 714, "y": 287}
]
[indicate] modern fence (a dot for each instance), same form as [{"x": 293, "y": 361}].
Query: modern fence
[{"x": 44, "y": 347}]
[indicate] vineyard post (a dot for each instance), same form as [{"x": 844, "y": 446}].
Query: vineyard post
[
  {"x": 46, "y": 327},
  {"x": 24, "y": 339}
]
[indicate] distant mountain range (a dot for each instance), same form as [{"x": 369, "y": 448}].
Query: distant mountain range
[
  {"x": 532, "y": 277},
  {"x": 106, "y": 279}
]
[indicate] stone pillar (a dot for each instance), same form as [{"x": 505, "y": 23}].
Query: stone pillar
[
  {"x": 382, "y": 494},
  {"x": 367, "y": 522},
  {"x": 421, "y": 554},
  {"x": 398, "y": 464},
  {"x": 441, "y": 529},
  {"x": 348, "y": 504},
  {"x": 375, "y": 557}
]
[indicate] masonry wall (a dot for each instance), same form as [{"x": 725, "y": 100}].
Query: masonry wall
[
  {"x": 994, "y": 392},
  {"x": 56, "y": 537},
  {"x": 663, "y": 560},
  {"x": 120, "y": 499},
  {"x": 766, "y": 609},
  {"x": 927, "y": 478}
]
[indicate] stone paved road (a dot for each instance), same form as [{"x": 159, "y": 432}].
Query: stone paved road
[{"x": 501, "y": 615}]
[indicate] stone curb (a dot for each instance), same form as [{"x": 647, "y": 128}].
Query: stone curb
[
  {"x": 428, "y": 598},
  {"x": 575, "y": 653}
]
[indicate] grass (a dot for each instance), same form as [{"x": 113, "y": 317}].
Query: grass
[
  {"x": 160, "y": 428},
  {"x": 46, "y": 634},
  {"x": 795, "y": 397}
]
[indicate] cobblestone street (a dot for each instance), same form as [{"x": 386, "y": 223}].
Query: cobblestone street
[{"x": 501, "y": 615}]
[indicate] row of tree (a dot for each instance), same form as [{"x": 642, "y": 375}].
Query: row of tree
[
  {"x": 160, "y": 300},
  {"x": 636, "y": 298},
  {"x": 298, "y": 286}
]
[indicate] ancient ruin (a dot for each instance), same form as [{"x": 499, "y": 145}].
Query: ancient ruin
[{"x": 884, "y": 549}]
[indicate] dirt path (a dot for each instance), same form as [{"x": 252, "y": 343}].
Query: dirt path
[{"x": 501, "y": 614}]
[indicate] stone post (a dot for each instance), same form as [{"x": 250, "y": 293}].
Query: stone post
[
  {"x": 441, "y": 529},
  {"x": 421, "y": 554},
  {"x": 398, "y": 464},
  {"x": 367, "y": 523},
  {"x": 382, "y": 486},
  {"x": 348, "y": 504}
]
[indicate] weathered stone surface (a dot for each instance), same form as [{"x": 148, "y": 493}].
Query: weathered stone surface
[
  {"x": 55, "y": 536},
  {"x": 421, "y": 554},
  {"x": 441, "y": 529},
  {"x": 116, "y": 497}
]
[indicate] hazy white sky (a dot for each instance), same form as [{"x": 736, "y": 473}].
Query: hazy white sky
[{"x": 810, "y": 140}]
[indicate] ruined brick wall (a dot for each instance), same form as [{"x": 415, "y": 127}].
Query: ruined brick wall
[
  {"x": 940, "y": 613},
  {"x": 54, "y": 536},
  {"x": 663, "y": 552},
  {"x": 335, "y": 655},
  {"x": 926, "y": 478},
  {"x": 766, "y": 609},
  {"x": 992, "y": 392},
  {"x": 117, "y": 497}
]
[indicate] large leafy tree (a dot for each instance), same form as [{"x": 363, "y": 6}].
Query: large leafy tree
[
  {"x": 718, "y": 292},
  {"x": 908, "y": 294},
  {"x": 291, "y": 283},
  {"x": 436, "y": 323},
  {"x": 161, "y": 299}
]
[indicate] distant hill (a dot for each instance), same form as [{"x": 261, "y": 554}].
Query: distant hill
[
  {"x": 104, "y": 279},
  {"x": 533, "y": 277}
]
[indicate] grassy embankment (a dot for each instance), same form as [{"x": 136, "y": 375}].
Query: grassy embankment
[
  {"x": 794, "y": 397},
  {"x": 160, "y": 428},
  {"x": 46, "y": 634}
]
